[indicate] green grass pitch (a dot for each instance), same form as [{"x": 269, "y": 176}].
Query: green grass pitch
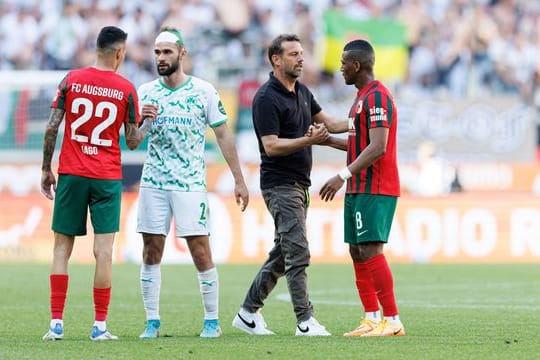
[{"x": 449, "y": 312}]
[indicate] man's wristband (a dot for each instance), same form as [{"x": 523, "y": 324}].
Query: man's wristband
[{"x": 344, "y": 173}]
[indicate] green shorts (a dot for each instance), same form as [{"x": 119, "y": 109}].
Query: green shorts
[
  {"x": 75, "y": 194},
  {"x": 368, "y": 217}
]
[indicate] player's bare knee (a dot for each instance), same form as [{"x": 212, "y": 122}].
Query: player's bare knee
[
  {"x": 103, "y": 255},
  {"x": 202, "y": 260},
  {"x": 152, "y": 254},
  {"x": 62, "y": 253},
  {"x": 369, "y": 250}
]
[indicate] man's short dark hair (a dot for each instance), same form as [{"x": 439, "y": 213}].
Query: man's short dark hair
[
  {"x": 275, "y": 47},
  {"x": 360, "y": 45},
  {"x": 361, "y": 51},
  {"x": 109, "y": 37}
]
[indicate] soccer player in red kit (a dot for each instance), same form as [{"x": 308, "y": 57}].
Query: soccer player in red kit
[
  {"x": 372, "y": 190},
  {"x": 96, "y": 103}
]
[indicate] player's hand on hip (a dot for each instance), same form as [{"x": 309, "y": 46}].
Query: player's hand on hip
[
  {"x": 48, "y": 184},
  {"x": 330, "y": 188}
]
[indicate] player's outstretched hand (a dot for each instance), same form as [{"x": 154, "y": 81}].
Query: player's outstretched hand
[
  {"x": 48, "y": 184},
  {"x": 330, "y": 188}
]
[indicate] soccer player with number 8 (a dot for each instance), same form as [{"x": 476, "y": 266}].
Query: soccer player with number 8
[{"x": 372, "y": 182}]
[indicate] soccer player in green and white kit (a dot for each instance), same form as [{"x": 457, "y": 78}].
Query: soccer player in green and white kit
[
  {"x": 372, "y": 190},
  {"x": 173, "y": 181}
]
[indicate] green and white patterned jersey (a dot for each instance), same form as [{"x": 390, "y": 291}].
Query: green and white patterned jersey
[{"x": 176, "y": 141}]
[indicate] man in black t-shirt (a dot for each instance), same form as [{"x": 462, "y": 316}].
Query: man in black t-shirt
[{"x": 287, "y": 121}]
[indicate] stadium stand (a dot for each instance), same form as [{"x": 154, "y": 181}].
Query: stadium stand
[{"x": 453, "y": 49}]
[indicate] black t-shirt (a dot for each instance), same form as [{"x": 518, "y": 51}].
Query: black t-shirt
[{"x": 278, "y": 111}]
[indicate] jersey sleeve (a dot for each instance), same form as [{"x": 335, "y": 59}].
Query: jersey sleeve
[
  {"x": 315, "y": 107},
  {"x": 133, "y": 113},
  {"x": 143, "y": 93},
  {"x": 265, "y": 116},
  {"x": 215, "y": 112},
  {"x": 379, "y": 109},
  {"x": 60, "y": 96}
]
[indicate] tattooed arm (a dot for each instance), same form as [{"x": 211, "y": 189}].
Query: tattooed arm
[
  {"x": 135, "y": 134},
  {"x": 49, "y": 142}
]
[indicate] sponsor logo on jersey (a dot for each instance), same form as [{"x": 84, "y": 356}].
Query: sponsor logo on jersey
[
  {"x": 173, "y": 120},
  {"x": 351, "y": 123},
  {"x": 377, "y": 114}
]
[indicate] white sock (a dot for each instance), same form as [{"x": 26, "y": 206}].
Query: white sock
[
  {"x": 393, "y": 319},
  {"x": 101, "y": 325},
  {"x": 373, "y": 316},
  {"x": 56, "y": 321},
  {"x": 150, "y": 288},
  {"x": 208, "y": 285}
]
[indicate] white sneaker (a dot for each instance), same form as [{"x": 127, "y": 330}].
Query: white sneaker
[
  {"x": 99, "y": 335},
  {"x": 252, "y": 323},
  {"x": 311, "y": 327},
  {"x": 55, "y": 332}
]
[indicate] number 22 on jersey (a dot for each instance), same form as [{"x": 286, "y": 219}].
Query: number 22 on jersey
[{"x": 86, "y": 108}]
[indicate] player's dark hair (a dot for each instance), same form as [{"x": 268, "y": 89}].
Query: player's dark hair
[
  {"x": 361, "y": 51},
  {"x": 109, "y": 37},
  {"x": 275, "y": 47},
  {"x": 360, "y": 45}
]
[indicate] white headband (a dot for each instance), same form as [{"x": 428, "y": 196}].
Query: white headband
[{"x": 167, "y": 36}]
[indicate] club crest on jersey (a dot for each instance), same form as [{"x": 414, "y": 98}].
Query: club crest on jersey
[
  {"x": 221, "y": 108},
  {"x": 359, "y": 107}
]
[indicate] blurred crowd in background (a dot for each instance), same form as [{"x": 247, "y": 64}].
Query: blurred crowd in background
[
  {"x": 458, "y": 52},
  {"x": 459, "y": 47}
]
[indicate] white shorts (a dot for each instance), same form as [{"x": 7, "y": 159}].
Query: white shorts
[{"x": 157, "y": 208}]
